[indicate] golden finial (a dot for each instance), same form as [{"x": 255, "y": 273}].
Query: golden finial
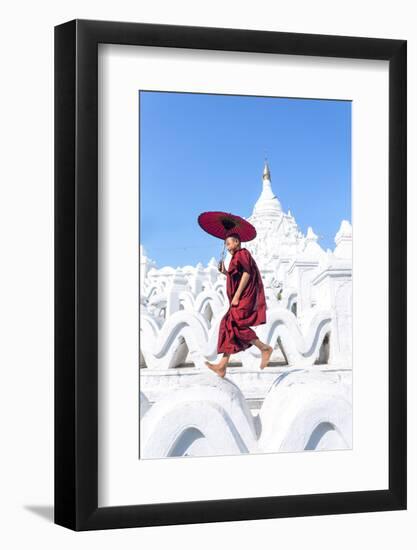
[{"x": 266, "y": 174}]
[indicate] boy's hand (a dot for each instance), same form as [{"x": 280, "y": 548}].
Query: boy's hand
[
  {"x": 222, "y": 269},
  {"x": 235, "y": 301}
]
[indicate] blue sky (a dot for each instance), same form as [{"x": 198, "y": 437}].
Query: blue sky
[{"x": 201, "y": 152}]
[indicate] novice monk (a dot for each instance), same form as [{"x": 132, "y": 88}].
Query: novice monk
[{"x": 246, "y": 295}]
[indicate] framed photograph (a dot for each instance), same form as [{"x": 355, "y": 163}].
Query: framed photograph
[{"x": 230, "y": 274}]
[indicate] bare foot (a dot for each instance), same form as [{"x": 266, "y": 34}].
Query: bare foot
[
  {"x": 218, "y": 368},
  {"x": 266, "y": 354}
]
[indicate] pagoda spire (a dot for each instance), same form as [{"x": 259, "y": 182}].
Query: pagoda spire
[
  {"x": 266, "y": 173},
  {"x": 267, "y": 202}
]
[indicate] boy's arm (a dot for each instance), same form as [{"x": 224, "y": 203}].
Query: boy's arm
[{"x": 243, "y": 282}]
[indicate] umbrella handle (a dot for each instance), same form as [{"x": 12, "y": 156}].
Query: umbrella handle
[{"x": 222, "y": 256}]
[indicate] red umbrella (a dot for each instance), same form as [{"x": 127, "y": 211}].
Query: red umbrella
[{"x": 224, "y": 224}]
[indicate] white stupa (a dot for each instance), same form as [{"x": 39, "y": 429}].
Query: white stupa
[{"x": 278, "y": 235}]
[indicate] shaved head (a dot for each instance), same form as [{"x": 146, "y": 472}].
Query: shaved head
[{"x": 234, "y": 236}]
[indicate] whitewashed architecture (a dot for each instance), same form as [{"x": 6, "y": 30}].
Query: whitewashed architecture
[{"x": 302, "y": 400}]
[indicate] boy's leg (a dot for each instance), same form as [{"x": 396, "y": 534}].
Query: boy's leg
[
  {"x": 220, "y": 367},
  {"x": 266, "y": 351}
]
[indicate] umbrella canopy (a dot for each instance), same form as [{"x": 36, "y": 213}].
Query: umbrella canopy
[{"x": 224, "y": 224}]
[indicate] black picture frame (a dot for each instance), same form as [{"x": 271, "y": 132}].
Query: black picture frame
[{"x": 76, "y": 272}]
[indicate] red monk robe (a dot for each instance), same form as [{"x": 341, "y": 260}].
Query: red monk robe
[{"x": 235, "y": 333}]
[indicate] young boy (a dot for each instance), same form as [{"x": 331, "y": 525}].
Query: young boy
[{"x": 246, "y": 296}]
